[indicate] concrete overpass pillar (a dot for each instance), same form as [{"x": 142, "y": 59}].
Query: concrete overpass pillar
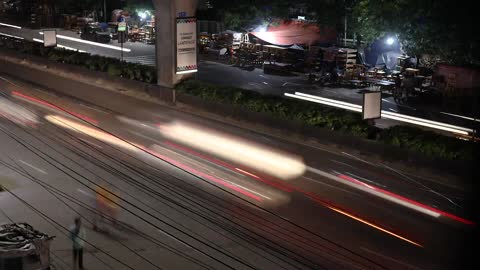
[{"x": 165, "y": 13}]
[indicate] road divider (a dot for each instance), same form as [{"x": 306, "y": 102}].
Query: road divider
[{"x": 385, "y": 114}]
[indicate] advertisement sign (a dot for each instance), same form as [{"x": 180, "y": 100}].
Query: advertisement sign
[
  {"x": 122, "y": 27},
  {"x": 49, "y": 38},
  {"x": 186, "y": 45},
  {"x": 372, "y": 105}
]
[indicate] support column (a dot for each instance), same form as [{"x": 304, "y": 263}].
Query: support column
[{"x": 165, "y": 26}]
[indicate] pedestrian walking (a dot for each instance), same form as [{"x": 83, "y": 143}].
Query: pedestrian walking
[
  {"x": 107, "y": 205},
  {"x": 77, "y": 235}
]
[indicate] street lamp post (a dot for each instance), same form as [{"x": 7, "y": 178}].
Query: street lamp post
[{"x": 105, "y": 11}]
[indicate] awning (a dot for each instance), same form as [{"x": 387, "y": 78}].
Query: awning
[
  {"x": 296, "y": 47},
  {"x": 288, "y": 33}
]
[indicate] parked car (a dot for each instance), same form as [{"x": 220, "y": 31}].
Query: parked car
[{"x": 94, "y": 32}]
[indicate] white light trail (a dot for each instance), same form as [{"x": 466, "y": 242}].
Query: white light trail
[
  {"x": 329, "y": 100},
  {"x": 461, "y": 116},
  {"x": 11, "y": 25},
  {"x": 350, "y": 108},
  {"x": 369, "y": 189},
  {"x": 187, "y": 71},
  {"x": 251, "y": 155},
  {"x": 60, "y": 46},
  {"x": 398, "y": 118},
  {"x": 92, "y": 43},
  {"x": 385, "y": 114},
  {"x": 7, "y": 35},
  {"x": 69, "y": 48}
]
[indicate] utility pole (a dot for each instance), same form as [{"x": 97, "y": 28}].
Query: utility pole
[
  {"x": 345, "y": 32},
  {"x": 105, "y": 10}
]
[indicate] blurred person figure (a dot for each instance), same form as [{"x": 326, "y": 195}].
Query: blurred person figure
[
  {"x": 77, "y": 235},
  {"x": 107, "y": 205}
]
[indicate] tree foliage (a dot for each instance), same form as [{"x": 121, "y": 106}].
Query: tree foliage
[
  {"x": 437, "y": 27},
  {"x": 244, "y": 14},
  {"x": 248, "y": 14}
]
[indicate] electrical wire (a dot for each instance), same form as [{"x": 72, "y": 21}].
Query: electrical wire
[
  {"x": 50, "y": 188},
  {"x": 5, "y": 214},
  {"x": 270, "y": 212},
  {"x": 133, "y": 205},
  {"x": 145, "y": 189},
  {"x": 58, "y": 225},
  {"x": 71, "y": 208}
]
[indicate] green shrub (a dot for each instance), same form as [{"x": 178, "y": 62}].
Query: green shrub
[
  {"x": 128, "y": 71},
  {"x": 114, "y": 69},
  {"x": 407, "y": 137}
]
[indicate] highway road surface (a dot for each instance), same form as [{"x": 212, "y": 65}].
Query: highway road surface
[{"x": 193, "y": 193}]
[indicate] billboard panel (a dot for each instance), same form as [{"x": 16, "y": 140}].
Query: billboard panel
[
  {"x": 186, "y": 45},
  {"x": 49, "y": 38},
  {"x": 372, "y": 105}
]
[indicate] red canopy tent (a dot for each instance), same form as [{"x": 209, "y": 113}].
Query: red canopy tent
[{"x": 287, "y": 33}]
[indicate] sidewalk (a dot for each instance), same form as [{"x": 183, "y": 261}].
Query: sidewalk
[{"x": 61, "y": 246}]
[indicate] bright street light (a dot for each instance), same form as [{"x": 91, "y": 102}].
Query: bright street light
[{"x": 390, "y": 41}]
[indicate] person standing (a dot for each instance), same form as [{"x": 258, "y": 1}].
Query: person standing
[{"x": 77, "y": 235}]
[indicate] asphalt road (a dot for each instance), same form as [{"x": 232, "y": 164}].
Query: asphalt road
[{"x": 343, "y": 212}]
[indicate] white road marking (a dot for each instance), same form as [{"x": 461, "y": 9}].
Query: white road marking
[
  {"x": 424, "y": 186},
  {"x": 143, "y": 136},
  {"x": 400, "y": 105},
  {"x": 92, "y": 108},
  {"x": 359, "y": 159},
  {"x": 332, "y": 186},
  {"x": 364, "y": 179},
  {"x": 85, "y": 193},
  {"x": 242, "y": 187},
  {"x": 461, "y": 116},
  {"x": 345, "y": 164},
  {"x": 33, "y": 167},
  {"x": 388, "y": 101},
  {"x": 245, "y": 172},
  {"x": 393, "y": 110},
  {"x": 369, "y": 189},
  {"x": 10, "y": 82},
  {"x": 94, "y": 144},
  {"x": 389, "y": 258},
  {"x": 46, "y": 92}
]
